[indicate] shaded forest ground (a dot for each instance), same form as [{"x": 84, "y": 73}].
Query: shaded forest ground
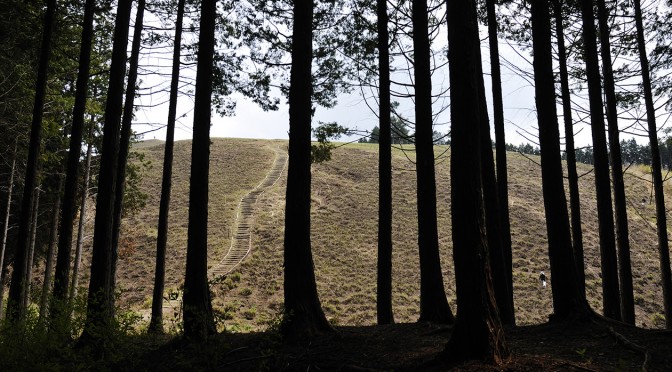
[{"x": 589, "y": 346}]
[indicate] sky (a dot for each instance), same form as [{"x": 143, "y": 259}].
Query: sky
[
  {"x": 250, "y": 121},
  {"x": 351, "y": 111}
]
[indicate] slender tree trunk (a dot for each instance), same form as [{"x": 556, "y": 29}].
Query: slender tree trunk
[
  {"x": 610, "y": 290},
  {"x": 303, "y": 313},
  {"x": 31, "y": 249},
  {"x": 74, "y": 285},
  {"x": 433, "y": 302},
  {"x": 62, "y": 273},
  {"x": 478, "y": 332},
  {"x": 620, "y": 209},
  {"x": 53, "y": 239},
  {"x": 504, "y": 299},
  {"x": 5, "y": 229},
  {"x": 156, "y": 322},
  {"x": 661, "y": 217},
  {"x": 15, "y": 309},
  {"x": 384, "y": 306},
  {"x": 198, "y": 319},
  {"x": 567, "y": 300},
  {"x": 124, "y": 143},
  {"x": 492, "y": 213},
  {"x": 99, "y": 309},
  {"x": 572, "y": 176}
]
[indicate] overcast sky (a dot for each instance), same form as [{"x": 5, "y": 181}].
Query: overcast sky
[{"x": 352, "y": 112}]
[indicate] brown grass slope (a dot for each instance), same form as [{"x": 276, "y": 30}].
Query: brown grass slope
[{"x": 344, "y": 231}]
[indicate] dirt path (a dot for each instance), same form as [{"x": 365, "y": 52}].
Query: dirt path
[{"x": 241, "y": 242}]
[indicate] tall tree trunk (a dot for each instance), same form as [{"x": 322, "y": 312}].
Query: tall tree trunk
[
  {"x": 433, "y": 302},
  {"x": 5, "y": 229},
  {"x": 492, "y": 213},
  {"x": 478, "y": 332},
  {"x": 15, "y": 309},
  {"x": 124, "y": 142},
  {"x": 99, "y": 309},
  {"x": 661, "y": 217},
  {"x": 198, "y": 319},
  {"x": 504, "y": 298},
  {"x": 156, "y": 322},
  {"x": 31, "y": 249},
  {"x": 384, "y": 305},
  {"x": 620, "y": 209},
  {"x": 610, "y": 289},
  {"x": 53, "y": 239},
  {"x": 567, "y": 300},
  {"x": 572, "y": 176},
  {"x": 304, "y": 315},
  {"x": 62, "y": 273},
  {"x": 74, "y": 284}
]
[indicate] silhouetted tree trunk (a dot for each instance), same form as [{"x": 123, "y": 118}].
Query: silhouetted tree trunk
[
  {"x": 15, "y": 303},
  {"x": 53, "y": 239},
  {"x": 572, "y": 176},
  {"x": 74, "y": 285},
  {"x": 124, "y": 142},
  {"x": 385, "y": 314},
  {"x": 505, "y": 294},
  {"x": 5, "y": 228},
  {"x": 99, "y": 311},
  {"x": 610, "y": 291},
  {"x": 621, "y": 214},
  {"x": 197, "y": 312},
  {"x": 304, "y": 315},
  {"x": 567, "y": 300},
  {"x": 156, "y": 322},
  {"x": 661, "y": 217},
  {"x": 31, "y": 249},
  {"x": 478, "y": 332},
  {"x": 433, "y": 302},
  {"x": 62, "y": 272}
]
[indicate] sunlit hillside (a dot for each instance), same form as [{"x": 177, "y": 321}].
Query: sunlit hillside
[{"x": 344, "y": 233}]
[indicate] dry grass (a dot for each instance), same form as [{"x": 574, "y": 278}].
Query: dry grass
[{"x": 344, "y": 234}]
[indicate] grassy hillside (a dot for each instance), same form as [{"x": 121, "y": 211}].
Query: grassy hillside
[{"x": 344, "y": 231}]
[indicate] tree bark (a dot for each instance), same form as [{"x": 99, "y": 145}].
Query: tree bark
[
  {"x": 303, "y": 313},
  {"x": 661, "y": 217},
  {"x": 384, "y": 305},
  {"x": 610, "y": 289},
  {"x": 433, "y": 302},
  {"x": 620, "y": 207},
  {"x": 99, "y": 311},
  {"x": 62, "y": 272},
  {"x": 53, "y": 239},
  {"x": 198, "y": 319},
  {"x": 478, "y": 332},
  {"x": 5, "y": 229},
  {"x": 567, "y": 300},
  {"x": 15, "y": 309},
  {"x": 505, "y": 294},
  {"x": 572, "y": 176},
  {"x": 31, "y": 249},
  {"x": 74, "y": 285},
  {"x": 156, "y": 322},
  {"x": 124, "y": 143}
]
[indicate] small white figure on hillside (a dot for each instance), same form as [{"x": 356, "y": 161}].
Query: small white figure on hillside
[{"x": 542, "y": 279}]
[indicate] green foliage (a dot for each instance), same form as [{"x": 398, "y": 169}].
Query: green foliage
[
  {"x": 134, "y": 198},
  {"x": 324, "y": 133},
  {"x": 35, "y": 346}
]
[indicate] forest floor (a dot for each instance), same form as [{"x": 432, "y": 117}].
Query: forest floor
[{"x": 586, "y": 346}]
